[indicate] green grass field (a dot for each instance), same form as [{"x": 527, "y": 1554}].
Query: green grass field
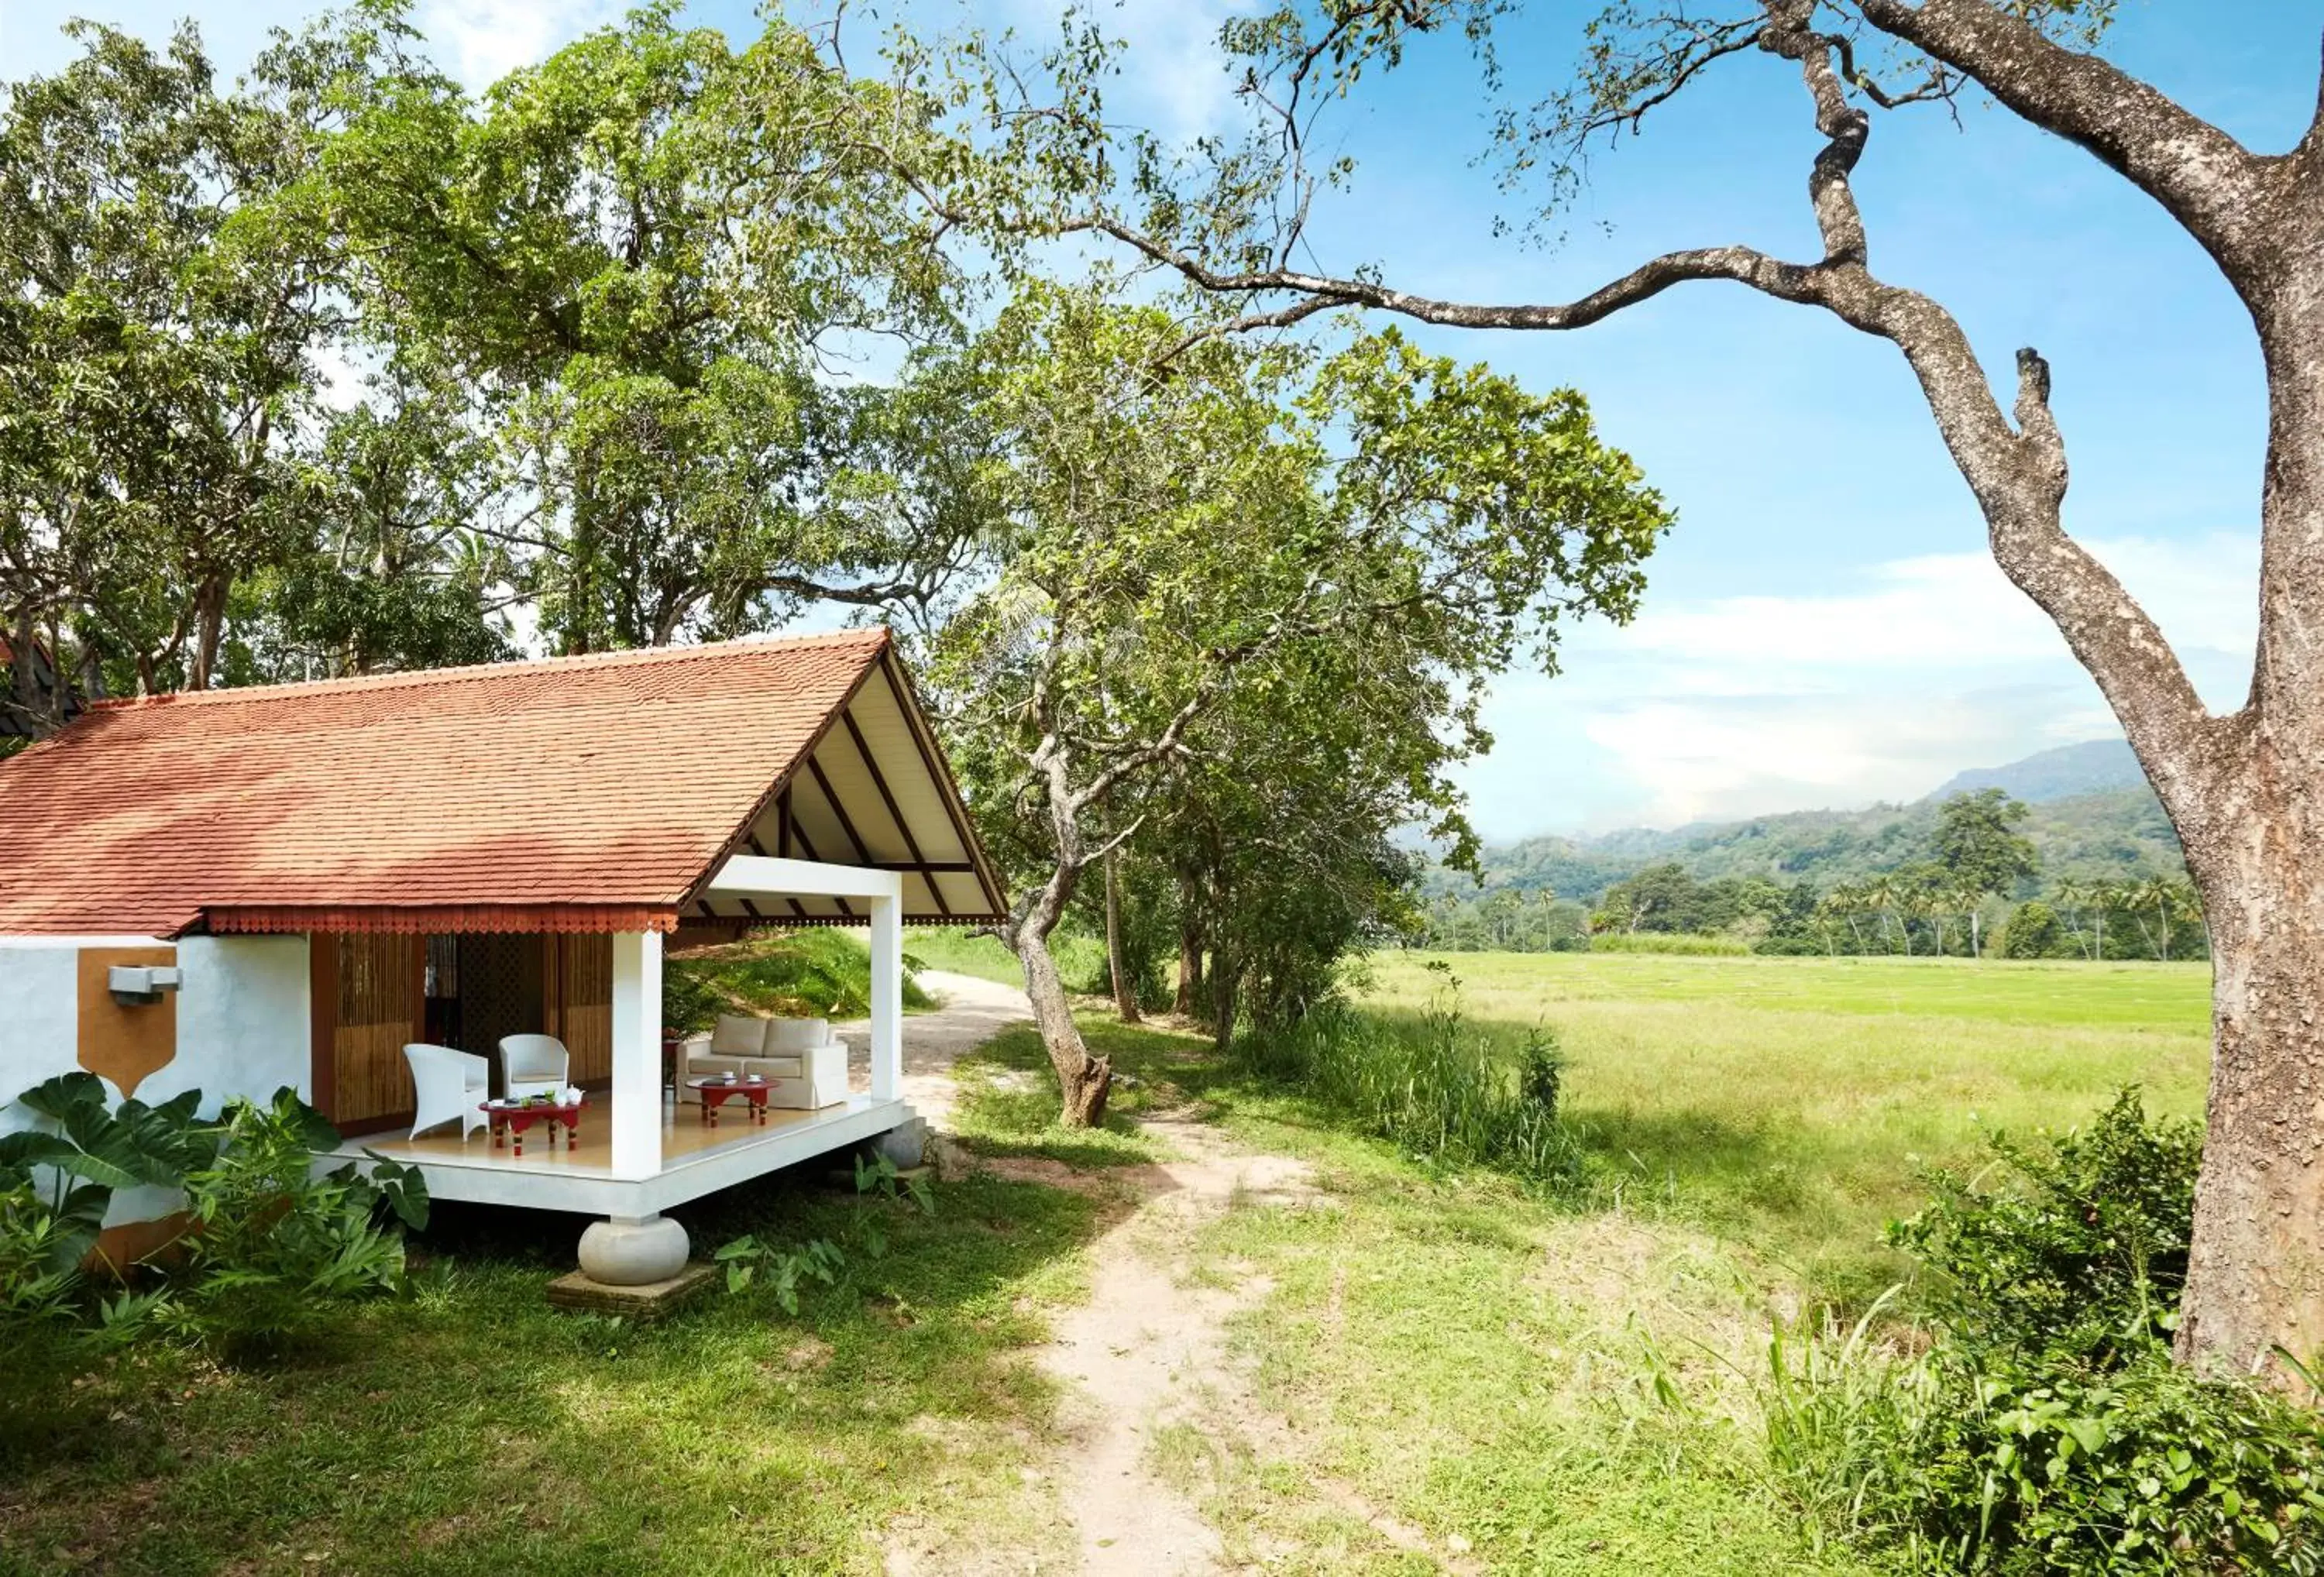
[
  {"x": 1567, "y": 1384},
  {"x": 2169, "y": 999},
  {"x": 1789, "y": 1103},
  {"x": 470, "y": 1428}
]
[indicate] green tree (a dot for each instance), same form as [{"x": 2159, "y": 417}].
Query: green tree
[
  {"x": 168, "y": 290},
  {"x": 1184, "y": 549},
  {"x": 1977, "y": 841},
  {"x": 2161, "y": 905},
  {"x": 2033, "y": 932},
  {"x": 642, "y": 254}
]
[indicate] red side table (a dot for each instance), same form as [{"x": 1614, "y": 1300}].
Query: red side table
[
  {"x": 513, "y": 1117},
  {"x": 716, "y": 1092}
]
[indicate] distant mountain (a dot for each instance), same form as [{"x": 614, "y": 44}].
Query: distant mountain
[
  {"x": 2093, "y": 816},
  {"x": 2093, "y": 767}
]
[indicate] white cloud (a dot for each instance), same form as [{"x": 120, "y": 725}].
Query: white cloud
[
  {"x": 1957, "y": 608},
  {"x": 480, "y": 42},
  {"x": 1178, "y": 69},
  {"x": 1731, "y": 706}
]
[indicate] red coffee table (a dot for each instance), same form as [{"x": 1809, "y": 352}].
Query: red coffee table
[
  {"x": 513, "y": 1117},
  {"x": 714, "y": 1093}
]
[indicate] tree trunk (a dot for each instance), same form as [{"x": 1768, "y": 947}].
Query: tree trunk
[
  {"x": 2255, "y": 1272},
  {"x": 1224, "y": 1001},
  {"x": 2253, "y": 826},
  {"x": 24, "y": 688},
  {"x": 209, "y": 624},
  {"x": 1125, "y": 985},
  {"x": 1187, "y": 1001},
  {"x": 1190, "y": 969},
  {"x": 1084, "y": 1080}
]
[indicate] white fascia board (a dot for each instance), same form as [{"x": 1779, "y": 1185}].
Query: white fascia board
[{"x": 763, "y": 876}]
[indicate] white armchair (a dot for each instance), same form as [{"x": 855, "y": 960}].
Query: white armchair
[
  {"x": 532, "y": 1064},
  {"x": 447, "y": 1085}
]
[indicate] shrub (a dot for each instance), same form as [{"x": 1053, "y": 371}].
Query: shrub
[
  {"x": 1997, "y": 1462},
  {"x": 1436, "y": 1086},
  {"x": 270, "y": 1245},
  {"x": 2046, "y": 1429},
  {"x": 275, "y": 1246},
  {"x": 2033, "y": 932},
  {"x": 2077, "y": 1247},
  {"x": 55, "y": 1325}
]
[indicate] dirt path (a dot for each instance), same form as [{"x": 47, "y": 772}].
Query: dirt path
[
  {"x": 1148, "y": 1350},
  {"x": 972, "y": 1011}
]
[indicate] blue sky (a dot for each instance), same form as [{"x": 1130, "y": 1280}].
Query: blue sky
[{"x": 1823, "y": 627}]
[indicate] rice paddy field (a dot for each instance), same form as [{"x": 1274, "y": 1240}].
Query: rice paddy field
[{"x": 1791, "y": 1103}]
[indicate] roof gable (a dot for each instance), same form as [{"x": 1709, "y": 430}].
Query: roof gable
[{"x": 587, "y": 793}]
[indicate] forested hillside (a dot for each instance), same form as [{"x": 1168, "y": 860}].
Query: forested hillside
[{"x": 2104, "y": 835}]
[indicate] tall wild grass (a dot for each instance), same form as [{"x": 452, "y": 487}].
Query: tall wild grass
[
  {"x": 1437, "y": 1085},
  {"x": 1689, "y": 943}
]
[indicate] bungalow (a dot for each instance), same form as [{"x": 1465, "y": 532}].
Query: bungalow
[{"x": 310, "y": 877}]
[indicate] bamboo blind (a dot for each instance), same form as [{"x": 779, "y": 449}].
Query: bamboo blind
[
  {"x": 578, "y": 999},
  {"x": 380, "y": 1008}
]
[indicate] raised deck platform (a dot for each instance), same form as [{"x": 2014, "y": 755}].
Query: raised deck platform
[{"x": 696, "y": 1158}]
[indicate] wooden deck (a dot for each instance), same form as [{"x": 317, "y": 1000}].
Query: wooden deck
[{"x": 696, "y": 1158}]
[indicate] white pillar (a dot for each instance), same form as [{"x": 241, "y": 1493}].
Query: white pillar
[
  {"x": 637, "y": 1053},
  {"x": 887, "y": 999}
]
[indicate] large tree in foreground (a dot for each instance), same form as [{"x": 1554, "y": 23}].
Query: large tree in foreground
[{"x": 2243, "y": 788}]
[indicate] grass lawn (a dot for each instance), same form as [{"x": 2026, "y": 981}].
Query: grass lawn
[
  {"x": 1567, "y": 1385},
  {"x": 472, "y": 1429},
  {"x": 1081, "y": 959},
  {"x": 1474, "y": 1360}
]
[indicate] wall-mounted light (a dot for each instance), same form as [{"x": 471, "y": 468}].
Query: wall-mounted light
[{"x": 134, "y": 985}]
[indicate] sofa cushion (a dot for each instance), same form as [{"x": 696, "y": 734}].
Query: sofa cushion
[
  {"x": 738, "y": 1036},
  {"x": 791, "y": 1037}
]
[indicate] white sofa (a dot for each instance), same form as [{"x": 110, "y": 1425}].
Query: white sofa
[{"x": 805, "y": 1062}]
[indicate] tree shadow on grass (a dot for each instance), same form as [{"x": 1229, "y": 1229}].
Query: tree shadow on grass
[
  {"x": 1008, "y": 1101},
  {"x": 470, "y": 1425}
]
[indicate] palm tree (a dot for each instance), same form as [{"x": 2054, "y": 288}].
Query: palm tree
[
  {"x": 1885, "y": 897},
  {"x": 2070, "y": 895},
  {"x": 2105, "y": 896},
  {"x": 1846, "y": 901},
  {"x": 2169, "y": 900},
  {"x": 1970, "y": 898}
]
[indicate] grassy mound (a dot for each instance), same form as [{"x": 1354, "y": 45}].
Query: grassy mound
[{"x": 823, "y": 972}]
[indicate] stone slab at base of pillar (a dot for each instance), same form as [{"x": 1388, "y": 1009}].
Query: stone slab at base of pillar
[
  {"x": 656, "y": 1300},
  {"x": 634, "y": 1252}
]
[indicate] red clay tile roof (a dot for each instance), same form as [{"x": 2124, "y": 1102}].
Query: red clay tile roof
[{"x": 585, "y": 792}]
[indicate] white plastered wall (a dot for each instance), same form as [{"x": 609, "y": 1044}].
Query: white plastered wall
[{"x": 243, "y": 1026}]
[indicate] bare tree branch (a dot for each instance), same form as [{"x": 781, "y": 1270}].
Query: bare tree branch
[{"x": 2018, "y": 472}]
